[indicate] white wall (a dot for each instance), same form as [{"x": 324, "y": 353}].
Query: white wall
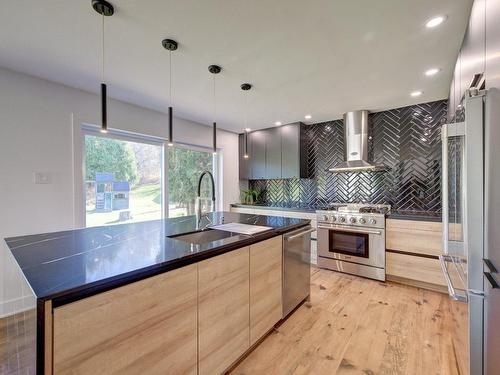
[{"x": 36, "y": 135}]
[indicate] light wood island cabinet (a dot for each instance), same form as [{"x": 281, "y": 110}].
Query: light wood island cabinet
[
  {"x": 223, "y": 310},
  {"x": 149, "y": 326},
  {"x": 198, "y": 319},
  {"x": 265, "y": 287}
]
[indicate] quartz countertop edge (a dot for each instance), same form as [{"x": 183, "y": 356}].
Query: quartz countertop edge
[
  {"x": 395, "y": 214},
  {"x": 70, "y": 265}
]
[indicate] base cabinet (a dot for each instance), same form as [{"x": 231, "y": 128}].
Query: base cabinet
[
  {"x": 265, "y": 287},
  {"x": 223, "y": 310},
  {"x": 149, "y": 326},
  {"x": 199, "y": 319}
]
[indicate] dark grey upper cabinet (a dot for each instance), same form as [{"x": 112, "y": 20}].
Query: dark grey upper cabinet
[
  {"x": 245, "y": 169},
  {"x": 273, "y": 153},
  {"x": 293, "y": 158},
  {"x": 258, "y": 154}
]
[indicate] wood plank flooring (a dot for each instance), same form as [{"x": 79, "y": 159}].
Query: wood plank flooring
[
  {"x": 351, "y": 326},
  {"x": 358, "y": 326}
]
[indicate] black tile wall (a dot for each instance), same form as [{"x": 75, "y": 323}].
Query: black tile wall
[{"x": 407, "y": 140}]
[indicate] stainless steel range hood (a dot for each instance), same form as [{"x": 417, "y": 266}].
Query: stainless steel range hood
[{"x": 356, "y": 145}]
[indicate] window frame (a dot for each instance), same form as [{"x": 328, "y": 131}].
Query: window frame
[
  {"x": 83, "y": 129},
  {"x": 216, "y": 170}
]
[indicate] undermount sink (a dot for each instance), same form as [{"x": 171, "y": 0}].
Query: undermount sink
[{"x": 203, "y": 236}]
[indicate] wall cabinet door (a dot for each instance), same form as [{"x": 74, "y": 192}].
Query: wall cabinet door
[
  {"x": 290, "y": 151},
  {"x": 244, "y": 163},
  {"x": 223, "y": 310},
  {"x": 258, "y": 155},
  {"x": 265, "y": 286},
  {"x": 273, "y": 153},
  {"x": 149, "y": 326}
]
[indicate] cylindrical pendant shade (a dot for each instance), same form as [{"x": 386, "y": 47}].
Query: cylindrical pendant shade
[
  {"x": 104, "y": 110},
  {"x": 246, "y": 145},
  {"x": 170, "y": 127},
  {"x": 215, "y": 137}
]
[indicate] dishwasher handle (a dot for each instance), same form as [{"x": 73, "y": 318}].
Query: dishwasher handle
[{"x": 303, "y": 233}]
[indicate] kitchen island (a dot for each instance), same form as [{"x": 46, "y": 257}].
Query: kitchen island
[{"x": 139, "y": 298}]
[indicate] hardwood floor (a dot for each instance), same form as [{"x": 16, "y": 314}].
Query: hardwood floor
[
  {"x": 359, "y": 326},
  {"x": 351, "y": 326}
]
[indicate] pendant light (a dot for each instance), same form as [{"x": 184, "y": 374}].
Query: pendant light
[
  {"x": 105, "y": 9},
  {"x": 170, "y": 45},
  {"x": 214, "y": 69},
  {"x": 246, "y": 87}
]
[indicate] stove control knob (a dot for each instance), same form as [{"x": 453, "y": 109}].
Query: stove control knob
[
  {"x": 325, "y": 217},
  {"x": 352, "y": 220},
  {"x": 342, "y": 219},
  {"x": 373, "y": 221},
  {"x": 334, "y": 219},
  {"x": 362, "y": 221}
]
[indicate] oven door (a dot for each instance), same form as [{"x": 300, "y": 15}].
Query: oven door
[{"x": 351, "y": 244}]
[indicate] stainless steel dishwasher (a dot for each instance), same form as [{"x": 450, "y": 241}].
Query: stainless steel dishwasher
[{"x": 296, "y": 268}]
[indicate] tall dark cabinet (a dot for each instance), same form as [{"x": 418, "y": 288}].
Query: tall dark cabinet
[
  {"x": 293, "y": 151},
  {"x": 258, "y": 154},
  {"x": 274, "y": 153}
]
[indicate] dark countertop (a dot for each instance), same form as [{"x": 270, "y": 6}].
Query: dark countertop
[
  {"x": 307, "y": 209},
  {"x": 72, "y": 264},
  {"x": 400, "y": 215},
  {"x": 415, "y": 215}
]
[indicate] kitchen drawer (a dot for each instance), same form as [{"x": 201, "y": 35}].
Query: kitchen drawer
[
  {"x": 420, "y": 237},
  {"x": 418, "y": 268}
]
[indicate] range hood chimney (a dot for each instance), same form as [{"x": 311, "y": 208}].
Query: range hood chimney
[{"x": 356, "y": 145}]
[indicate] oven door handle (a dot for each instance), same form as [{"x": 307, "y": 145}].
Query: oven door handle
[{"x": 352, "y": 230}]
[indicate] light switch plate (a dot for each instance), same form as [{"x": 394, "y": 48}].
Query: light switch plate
[{"x": 42, "y": 178}]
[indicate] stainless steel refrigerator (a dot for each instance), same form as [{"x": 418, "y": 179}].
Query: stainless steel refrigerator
[{"x": 471, "y": 222}]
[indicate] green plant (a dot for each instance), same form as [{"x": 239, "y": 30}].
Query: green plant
[{"x": 250, "y": 196}]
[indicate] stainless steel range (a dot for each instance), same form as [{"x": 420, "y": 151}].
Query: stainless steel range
[{"x": 351, "y": 239}]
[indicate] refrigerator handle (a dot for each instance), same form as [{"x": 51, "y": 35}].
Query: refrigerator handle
[
  {"x": 492, "y": 280},
  {"x": 490, "y": 265},
  {"x": 444, "y": 192}
]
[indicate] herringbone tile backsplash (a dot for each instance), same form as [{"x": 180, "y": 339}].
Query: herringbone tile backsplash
[{"x": 407, "y": 140}]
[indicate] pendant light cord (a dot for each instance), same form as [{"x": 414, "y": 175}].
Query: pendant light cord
[{"x": 102, "y": 50}]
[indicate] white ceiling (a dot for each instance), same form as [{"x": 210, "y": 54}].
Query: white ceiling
[{"x": 318, "y": 57}]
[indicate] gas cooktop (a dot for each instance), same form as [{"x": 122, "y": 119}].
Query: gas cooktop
[{"x": 362, "y": 208}]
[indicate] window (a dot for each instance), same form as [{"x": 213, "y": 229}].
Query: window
[
  {"x": 185, "y": 165},
  {"x": 124, "y": 176},
  {"x": 123, "y": 180}
]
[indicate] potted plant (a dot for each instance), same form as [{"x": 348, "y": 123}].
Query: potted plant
[{"x": 250, "y": 196}]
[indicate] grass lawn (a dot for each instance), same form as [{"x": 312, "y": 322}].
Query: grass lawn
[{"x": 144, "y": 202}]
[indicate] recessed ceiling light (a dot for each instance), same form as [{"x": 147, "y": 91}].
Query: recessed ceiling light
[
  {"x": 416, "y": 93},
  {"x": 247, "y": 129},
  {"x": 432, "y": 72},
  {"x": 308, "y": 117},
  {"x": 436, "y": 21},
  {"x": 277, "y": 123}
]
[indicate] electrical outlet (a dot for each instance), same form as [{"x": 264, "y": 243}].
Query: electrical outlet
[{"x": 42, "y": 178}]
